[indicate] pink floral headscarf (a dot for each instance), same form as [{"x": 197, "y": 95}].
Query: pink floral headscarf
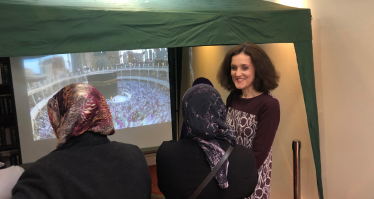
[{"x": 78, "y": 108}]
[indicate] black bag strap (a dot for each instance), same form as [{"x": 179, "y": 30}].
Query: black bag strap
[{"x": 212, "y": 173}]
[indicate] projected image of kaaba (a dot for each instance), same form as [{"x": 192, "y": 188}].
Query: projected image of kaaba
[
  {"x": 105, "y": 83},
  {"x": 135, "y": 84}
]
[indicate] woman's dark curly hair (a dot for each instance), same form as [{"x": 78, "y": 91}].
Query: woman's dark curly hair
[{"x": 266, "y": 77}]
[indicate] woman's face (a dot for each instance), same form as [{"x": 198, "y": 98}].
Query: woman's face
[{"x": 242, "y": 71}]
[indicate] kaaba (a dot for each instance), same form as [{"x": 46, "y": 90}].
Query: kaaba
[{"x": 105, "y": 83}]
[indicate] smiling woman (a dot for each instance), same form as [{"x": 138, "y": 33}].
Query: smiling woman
[
  {"x": 243, "y": 74},
  {"x": 253, "y": 112}
]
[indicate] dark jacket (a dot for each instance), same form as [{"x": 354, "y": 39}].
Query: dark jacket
[
  {"x": 182, "y": 166},
  {"x": 87, "y": 166}
]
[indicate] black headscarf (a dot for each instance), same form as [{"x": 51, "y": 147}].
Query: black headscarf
[
  {"x": 204, "y": 115},
  {"x": 200, "y": 80}
]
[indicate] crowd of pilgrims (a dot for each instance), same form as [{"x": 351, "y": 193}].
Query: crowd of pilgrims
[
  {"x": 149, "y": 104},
  {"x": 42, "y": 127}
]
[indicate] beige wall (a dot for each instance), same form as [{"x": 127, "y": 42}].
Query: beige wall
[
  {"x": 343, "y": 41},
  {"x": 343, "y": 38}
]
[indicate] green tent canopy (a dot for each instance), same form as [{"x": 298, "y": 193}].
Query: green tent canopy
[{"x": 41, "y": 27}]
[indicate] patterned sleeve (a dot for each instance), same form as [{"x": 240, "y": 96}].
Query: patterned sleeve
[{"x": 268, "y": 121}]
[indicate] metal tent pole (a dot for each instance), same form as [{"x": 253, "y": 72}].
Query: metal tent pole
[{"x": 296, "y": 145}]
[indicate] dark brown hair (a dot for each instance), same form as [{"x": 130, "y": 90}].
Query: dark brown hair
[{"x": 266, "y": 77}]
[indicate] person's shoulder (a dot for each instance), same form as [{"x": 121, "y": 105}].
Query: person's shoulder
[
  {"x": 50, "y": 157},
  {"x": 121, "y": 144},
  {"x": 166, "y": 152},
  {"x": 168, "y": 144},
  {"x": 270, "y": 100},
  {"x": 181, "y": 143},
  {"x": 175, "y": 149},
  {"x": 129, "y": 154},
  {"x": 269, "y": 97},
  {"x": 172, "y": 145},
  {"x": 124, "y": 146},
  {"x": 42, "y": 165}
]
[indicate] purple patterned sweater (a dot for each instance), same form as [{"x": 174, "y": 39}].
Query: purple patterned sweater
[{"x": 255, "y": 122}]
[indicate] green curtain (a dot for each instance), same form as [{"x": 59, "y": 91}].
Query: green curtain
[{"x": 304, "y": 54}]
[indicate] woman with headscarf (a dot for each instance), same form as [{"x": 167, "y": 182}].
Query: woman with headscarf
[
  {"x": 86, "y": 164},
  {"x": 200, "y": 80},
  {"x": 183, "y": 165}
]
